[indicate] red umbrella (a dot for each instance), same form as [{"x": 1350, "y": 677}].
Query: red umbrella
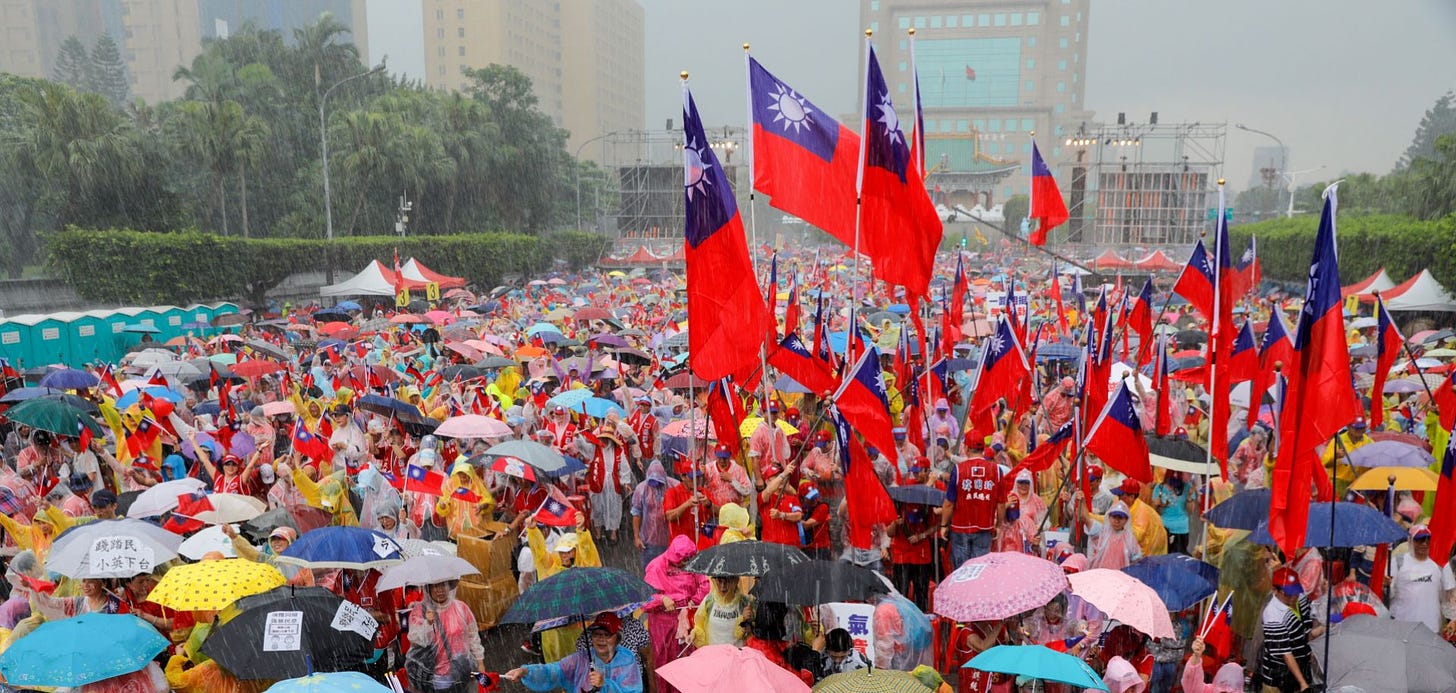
[
  {"x": 256, "y": 368},
  {"x": 591, "y": 313},
  {"x": 1397, "y": 436},
  {"x": 408, "y": 318},
  {"x": 685, "y": 380},
  {"x": 331, "y": 328}
]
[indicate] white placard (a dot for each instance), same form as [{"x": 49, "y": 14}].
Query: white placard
[
  {"x": 383, "y": 546},
  {"x": 858, "y": 619},
  {"x": 283, "y": 631},
  {"x": 352, "y": 617},
  {"x": 120, "y": 557}
]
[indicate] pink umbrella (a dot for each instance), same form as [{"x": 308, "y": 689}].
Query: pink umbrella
[
  {"x": 473, "y": 426},
  {"x": 681, "y": 429},
  {"x": 440, "y": 317},
  {"x": 280, "y": 408},
  {"x": 729, "y": 669},
  {"x": 1124, "y": 598},
  {"x": 484, "y": 347},
  {"x": 998, "y": 585}
]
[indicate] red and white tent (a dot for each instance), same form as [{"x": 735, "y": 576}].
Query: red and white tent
[
  {"x": 1109, "y": 259},
  {"x": 1157, "y": 261},
  {"x": 1380, "y": 281},
  {"x": 373, "y": 280},
  {"x": 1421, "y": 292},
  {"x": 413, "y": 270}
]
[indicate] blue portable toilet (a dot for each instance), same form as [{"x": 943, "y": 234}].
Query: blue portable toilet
[
  {"x": 49, "y": 341},
  {"x": 15, "y": 342},
  {"x": 90, "y": 338}
]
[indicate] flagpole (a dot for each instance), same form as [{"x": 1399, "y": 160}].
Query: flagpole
[
  {"x": 1215, "y": 340},
  {"x": 753, "y": 231},
  {"x": 918, "y": 161},
  {"x": 859, "y": 173},
  {"x": 692, "y": 392}
]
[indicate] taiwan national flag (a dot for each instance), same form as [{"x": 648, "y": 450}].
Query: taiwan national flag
[
  {"x": 184, "y": 520},
  {"x": 1387, "y": 348},
  {"x": 730, "y": 317},
  {"x": 1243, "y": 363},
  {"x": 1140, "y": 320},
  {"x": 899, "y": 227},
  {"x": 1003, "y": 370},
  {"x": 556, "y": 510},
  {"x": 862, "y": 400},
  {"x": 1197, "y": 280},
  {"x": 793, "y": 359},
  {"x": 1047, "y": 207},
  {"x": 867, "y": 503},
  {"x": 1276, "y": 349},
  {"x": 1046, "y": 453},
  {"x": 803, "y": 159},
  {"x": 1117, "y": 437},
  {"x": 423, "y": 480},
  {"x": 1321, "y": 397},
  {"x": 1443, "y": 516},
  {"x": 311, "y": 445}
]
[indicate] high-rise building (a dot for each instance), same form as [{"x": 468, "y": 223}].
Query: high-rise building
[
  {"x": 1268, "y": 165},
  {"x": 991, "y": 72},
  {"x": 155, "y": 37},
  {"x": 222, "y": 18},
  {"x": 585, "y": 58}
]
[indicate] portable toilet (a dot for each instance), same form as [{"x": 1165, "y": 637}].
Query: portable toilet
[
  {"x": 49, "y": 343},
  {"x": 171, "y": 321},
  {"x": 90, "y": 338},
  {"x": 119, "y": 319},
  {"x": 224, "y": 308},
  {"x": 15, "y": 341}
]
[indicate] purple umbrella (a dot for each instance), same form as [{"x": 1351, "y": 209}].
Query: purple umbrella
[
  {"x": 242, "y": 445},
  {"x": 1390, "y": 453},
  {"x": 606, "y": 340},
  {"x": 1402, "y": 387}
]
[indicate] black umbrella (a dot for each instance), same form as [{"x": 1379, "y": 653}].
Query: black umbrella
[
  {"x": 744, "y": 558},
  {"x": 81, "y": 403},
  {"x": 819, "y": 582},
  {"x": 495, "y": 362},
  {"x": 288, "y": 632},
  {"x": 1177, "y": 449},
  {"x": 632, "y": 356},
  {"x": 461, "y": 372},
  {"x": 917, "y": 494},
  {"x": 1191, "y": 337},
  {"x": 264, "y": 524}
]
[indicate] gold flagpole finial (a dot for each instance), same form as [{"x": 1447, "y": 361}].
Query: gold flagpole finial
[
  {"x": 745, "y": 47},
  {"x": 912, "y": 31},
  {"x": 869, "y": 33},
  {"x": 683, "y": 74},
  {"x": 1220, "y": 181}
]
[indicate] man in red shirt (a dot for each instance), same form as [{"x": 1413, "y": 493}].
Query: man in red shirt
[
  {"x": 971, "y": 510},
  {"x": 685, "y": 506},
  {"x": 815, "y": 521},
  {"x": 779, "y": 507}
]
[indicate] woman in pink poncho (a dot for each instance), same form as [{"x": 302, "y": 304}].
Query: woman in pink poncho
[
  {"x": 1228, "y": 679},
  {"x": 678, "y": 592}
]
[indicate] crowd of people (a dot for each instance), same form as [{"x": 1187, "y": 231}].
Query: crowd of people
[{"x": 340, "y": 428}]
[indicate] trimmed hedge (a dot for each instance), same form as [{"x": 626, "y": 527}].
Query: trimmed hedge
[
  {"x": 1402, "y": 245},
  {"x": 145, "y": 268}
]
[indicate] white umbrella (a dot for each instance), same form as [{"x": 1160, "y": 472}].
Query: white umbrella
[
  {"x": 206, "y": 541},
  {"x": 411, "y": 548},
  {"x": 162, "y": 498},
  {"x": 228, "y": 508},
  {"x": 112, "y": 549},
  {"x": 425, "y": 570}
]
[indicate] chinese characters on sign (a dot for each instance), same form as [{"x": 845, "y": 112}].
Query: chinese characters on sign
[{"x": 120, "y": 557}]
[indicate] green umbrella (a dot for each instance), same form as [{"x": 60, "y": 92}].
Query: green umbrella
[{"x": 52, "y": 415}]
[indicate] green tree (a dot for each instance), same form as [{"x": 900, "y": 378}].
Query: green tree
[
  {"x": 72, "y": 63},
  {"x": 106, "y": 71},
  {"x": 81, "y": 145},
  {"x": 525, "y": 168},
  {"x": 1440, "y": 119}
]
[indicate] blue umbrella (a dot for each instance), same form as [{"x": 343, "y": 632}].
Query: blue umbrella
[
  {"x": 1354, "y": 525},
  {"x": 343, "y": 547},
  {"x": 20, "y": 394},
  {"x": 141, "y": 329},
  {"x": 899, "y": 309},
  {"x": 84, "y": 649},
  {"x": 337, "y": 682},
  {"x": 69, "y": 379},
  {"x": 389, "y": 406},
  {"x": 210, "y": 407},
  {"x": 347, "y": 305},
  {"x": 156, "y": 392},
  {"x": 1038, "y": 662},
  {"x": 1390, "y": 453},
  {"x": 1058, "y": 351},
  {"x": 599, "y": 408},
  {"x": 540, "y": 327},
  {"x": 571, "y": 399},
  {"x": 1243, "y": 510},
  {"x": 577, "y": 592},
  {"x": 1180, "y": 581}
]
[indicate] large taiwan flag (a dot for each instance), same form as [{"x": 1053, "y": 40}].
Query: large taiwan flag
[
  {"x": 899, "y": 229},
  {"x": 725, "y": 306},
  {"x": 803, "y": 159}
]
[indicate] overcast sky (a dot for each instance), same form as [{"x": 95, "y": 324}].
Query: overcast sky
[{"x": 1342, "y": 82}]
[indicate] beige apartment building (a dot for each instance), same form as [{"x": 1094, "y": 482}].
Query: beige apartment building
[{"x": 585, "y": 58}]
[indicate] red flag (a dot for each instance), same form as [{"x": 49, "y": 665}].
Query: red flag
[
  {"x": 793, "y": 359},
  {"x": 955, "y": 312},
  {"x": 184, "y": 519},
  {"x": 803, "y": 159},
  {"x": 1139, "y": 320},
  {"x": 1163, "y": 417},
  {"x": 899, "y": 227},
  {"x": 83, "y": 437},
  {"x": 1117, "y": 437},
  {"x": 1056, "y": 292},
  {"x": 423, "y": 480},
  {"x": 1003, "y": 371},
  {"x": 1041, "y": 459},
  {"x": 1443, "y": 513},
  {"x": 157, "y": 378},
  {"x": 107, "y": 375},
  {"x": 1216, "y": 630},
  {"x": 141, "y": 439},
  {"x": 1248, "y": 272},
  {"x": 728, "y": 313},
  {"x": 1196, "y": 282},
  {"x": 1387, "y": 348},
  {"x": 1275, "y": 348},
  {"x": 867, "y": 503},
  {"x": 556, "y": 510},
  {"x": 862, "y": 400},
  {"x": 725, "y": 412},
  {"x": 1047, "y": 207},
  {"x": 314, "y": 446},
  {"x": 1243, "y": 363},
  {"x": 1321, "y": 397},
  {"x": 793, "y": 312}
]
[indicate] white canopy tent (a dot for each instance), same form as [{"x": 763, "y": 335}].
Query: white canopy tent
[
  {"x": 1421, "y": 292},
  {"x": 373, "y": 280}
]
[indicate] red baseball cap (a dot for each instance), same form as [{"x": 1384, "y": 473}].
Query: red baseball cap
[
  {"x": 607, "y": 621},
  {"x": 1287, "y": 581},
  {"x": 723, "y": 450},
  {"x": 1129, "y": 487}
]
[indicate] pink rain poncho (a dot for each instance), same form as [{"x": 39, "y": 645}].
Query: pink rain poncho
[
  {"x": 686, "y": 590},
  {"x": 1229, "y": 679}
]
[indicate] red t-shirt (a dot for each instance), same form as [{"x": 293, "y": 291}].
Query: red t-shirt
[
  {"x": 818, "y": 536},
  {"x": 972, "y": 492},
  {"x": 903, "y": 552},
  {"x": 528, "y": 500},
  {"x": 777, "y": 531},
  {"x": 686, "y": 524}
]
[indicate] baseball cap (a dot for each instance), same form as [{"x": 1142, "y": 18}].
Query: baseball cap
[
  {"x": 1287, "y": 581},
  {"x": 773, "y": 407},
  {"x": 807, "y": 490},
  {"x": 1094, "y": 471},
  {"x": 1420, "y": 532},
  {"x": 1359, "y": 423},
  {"x": 1118, "y": 508},
  {"x": 898, "y": 432},
  {"x": 1128, "y": 487},
  {"x": 1023, "y": 475},
  {"x": 723, "y": 451},
  {"x": 771, "y": 471},
  {"x": 284, "y": 533},
  {"x": 567, "y": 542},
  {"x": 606, "y": 621}
]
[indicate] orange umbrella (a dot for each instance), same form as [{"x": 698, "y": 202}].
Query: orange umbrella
[
  {"x": 529, "y": 352},
  {"x": 408, "y": 318},
  {"x": 330, "y": 328}
]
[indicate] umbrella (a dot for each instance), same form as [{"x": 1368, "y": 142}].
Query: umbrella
[
  {"x": 1402, "y": 386},
  {"x": 543, "y": 458},
  {"x": 1180, "y": 581},
  {"x": 52, "y": 415},
  {"x": 511, "y": 466},
  {"x": 242, "y": 445},
  {"x": 684, "y": 381},
  {"x": 1125, "y": 598},
  {"x": 570, "y": 399},
  {"x": 161, "y": 498},
  {"x": 751, "y": 424},
  {"x": 208, "y": 540},
  {"x": 409, "y": 318},
  {"x": 542, "y": 327},
  {"x": 461, "y": 372},
  {"x": 212, "y": 585},
  {"x": 1354, "y": 525},
  {"x": 425, "y": 570},
  {"x": 577, "y": 592},
  {"x": 590, "y": 313},
  {"x": 1389, "y": 453},
  {"x": 20, "y": 394},
  {"x": 111, "y": 549},
  {"x": 495, "y": 362},
  {"x": 342, "y": 547},
  {"x": 1243, "y": 510},
  {"x": 414, "y": 548},
  {"x": 729, "y": 669},
  {"x": 440, "y": 317},
  {"x": 1400, "y": 478},
  {"x": 256, "y": 368},
  {"x": 84, "y": 405},
  {"x": 228, "y": 508},
  {"x": 141, "y": 328},
  {"x": 389, "y": 407},
  {"x": 744, "y": 558},
  {"x": 81, "y": 650},
  {"x": 154, "y": 391},
  {"x": 606, "y": 339},
  {"x": 599, "y": 408},
  {"x": 871, "y": 681},
  {"x": 292, "y": 631},
  {"x": 819, "y": 582},
  {"x": 917, "y": 495},
  {"x": 998, "y": 585},
  {"x": 284, "y": 407},
  {"x": 1038, "y": 662},
  {"x": 473, "y": 426},
  {"x": 1379, "y": 655},
  {"x": 332, "y": 682},
  {"x": 69, "y": 379},
  {"x": 269, "y": 521}
]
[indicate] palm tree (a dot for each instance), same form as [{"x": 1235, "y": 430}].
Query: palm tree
[{"x": 80, "y": 143}]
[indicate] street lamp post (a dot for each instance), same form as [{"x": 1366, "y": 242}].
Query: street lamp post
[
  {"x": 1283, "y": 158},
  {"x": 1289, "y": 213},
  {"x": 576, "y": 160},
  {"x": 324, "y": 149}
]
